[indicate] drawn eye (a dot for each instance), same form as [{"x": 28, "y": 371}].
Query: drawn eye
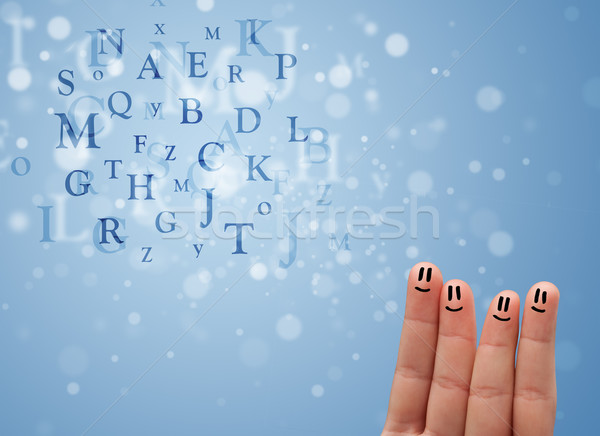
[
  {"x": 502, "y": 301},
  {"x": 506, "y": 303},
  {"x": 450, "y": 293},
  {"x": 536, "y": 300},
  {"x": 422, "y": 270},
  {"x": 453, "y": 290}
]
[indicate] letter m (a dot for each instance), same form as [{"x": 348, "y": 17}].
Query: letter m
[
  {"x": 335, "y": 246},
  {"x": 179, "y": 187},
  {"x": 212, "y": 35},
  {"x": 66, "y": 126}
]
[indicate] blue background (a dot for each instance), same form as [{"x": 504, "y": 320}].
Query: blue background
[{"x": 309, "y": 349}]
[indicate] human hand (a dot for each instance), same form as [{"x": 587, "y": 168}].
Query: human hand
[{"x": 445, "y": 385}]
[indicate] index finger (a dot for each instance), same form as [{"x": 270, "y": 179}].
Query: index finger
[{"x": 416, "y": 355}]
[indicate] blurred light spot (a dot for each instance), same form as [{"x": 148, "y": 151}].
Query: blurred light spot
[
  {"x": 22, "y": 143},
  {"x": 73, "y": 388},
  {"x": 391, "y": 306},
  {"x": 18, "y": 221},
  {"x": 500, "y": 243},
  {"x": 355, "y": 277},
  {"x": 196, "y": 286},
  {"x": 396, "y": 45},
  {"x": 489, "y": 98},
  {"x": 134, "y": 318},
  {"x": 420, "y": 182},
  {"x": 59, "y": 28},
  {"x": 317, "y": 391},
  {"x": 412, "y": 252},
  {"x": 337, "y": 106},
  {"x": 334, "y": 373},
  {"x": 116, "y": 68},
  {"x": 352, "y": 183},
  {"x": 205, "y": 5},
  {"x": 370, "y": 28},
  {"x": 474, "y": 166},
  {"x": 340, "y": 76},
  {"x": 87, "y": 251},
  {"x": 38, "y": 272},
  {"x": 379, "y": 315},
  {"x": 498, "y": 174},
  {"x": 259, "y": 271},
  {"x": 343, "y": 257},
  {"x": 288, "y": 327},
  {"x": 252, "y": 90},
  {"x": 19, "y": 78},
  {"x": 73, "y": 361}
]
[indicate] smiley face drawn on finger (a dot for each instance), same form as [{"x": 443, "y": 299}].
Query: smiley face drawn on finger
[
  {"x": 450, "y": 298},
  {"x": 536, "y": 300},
  {"x": 427, "y": 279},
  {"x": 506, "y": 302}
]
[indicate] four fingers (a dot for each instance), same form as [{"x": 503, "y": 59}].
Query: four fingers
[{"x": 442, "y": 385}]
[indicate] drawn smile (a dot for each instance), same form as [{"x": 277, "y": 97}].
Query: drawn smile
[
  {"x": 506, "y": 302},
  {"x": 538, "y": 310},
  {"x": 450, "y": 289},
  {"x": 427, "y": 279},
  {"x": 454, "y": 310}
]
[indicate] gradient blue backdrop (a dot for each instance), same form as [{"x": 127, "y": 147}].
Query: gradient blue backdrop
[{"x": 513, "y": 174}]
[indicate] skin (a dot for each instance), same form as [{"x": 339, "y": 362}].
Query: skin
[{"x": 444, "y": 384}]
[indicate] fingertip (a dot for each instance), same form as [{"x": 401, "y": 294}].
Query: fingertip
[
  {"x": 456, "y": 291},
  {"x": 457, "y": 309},
  {"x": 550, "y": 288},
  {"x": 505, "y": 307},
  {"x": 435, "y": 270},
  {"x": 463, "y": 286},
  {"x": 425, "y": 276},
  {"x": 542, "y": 298},
  {"x": 512, "y": 294}
]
